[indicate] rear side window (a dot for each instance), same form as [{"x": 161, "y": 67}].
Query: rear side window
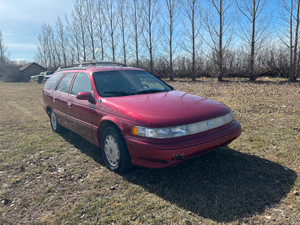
[
  {"x": 81, "y": 84},
  {"x": 64, "y": 84},
  {"x": 53, "y": 80}
]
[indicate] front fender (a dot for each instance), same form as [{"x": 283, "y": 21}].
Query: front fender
[{"x": 122, "y": 124}]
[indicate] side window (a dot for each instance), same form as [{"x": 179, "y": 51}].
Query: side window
[
  {"x": 53, "y": 80},
  {"x": 81, "y": 84},
  {"x": 64, "y": 84}
]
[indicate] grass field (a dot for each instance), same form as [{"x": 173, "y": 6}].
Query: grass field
[{"x": 61, "y": 179}]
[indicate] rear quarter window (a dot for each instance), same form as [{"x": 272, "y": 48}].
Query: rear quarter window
[{"x": 52, "y": 81}]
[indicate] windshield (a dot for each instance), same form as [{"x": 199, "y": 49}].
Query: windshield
[{"x": 127, "y": 82}]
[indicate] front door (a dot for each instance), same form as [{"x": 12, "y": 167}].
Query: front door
[{"x": 82, "y": 113}]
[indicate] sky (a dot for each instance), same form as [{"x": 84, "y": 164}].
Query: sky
[{"x": 21, "y": 22}]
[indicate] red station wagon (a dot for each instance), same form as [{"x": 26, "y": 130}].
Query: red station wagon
[{"x": 136, "y": 118}]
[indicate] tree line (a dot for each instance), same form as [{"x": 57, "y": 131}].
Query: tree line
[
  {"x": 9, "y": 71},
  {"x": 188, "y": 38}
]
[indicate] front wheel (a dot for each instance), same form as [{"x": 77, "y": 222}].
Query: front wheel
[{"x": 114, "y": 150}]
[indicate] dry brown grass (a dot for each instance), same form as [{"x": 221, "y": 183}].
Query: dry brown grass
[{"x": 51, "y": 178}]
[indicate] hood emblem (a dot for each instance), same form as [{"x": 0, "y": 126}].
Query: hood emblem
[{"x": 210, "y": 124}]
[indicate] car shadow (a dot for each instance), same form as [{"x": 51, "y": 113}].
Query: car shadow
[
  {"x": 222, "y": 185},
  {"x": 83, "y": 145}
]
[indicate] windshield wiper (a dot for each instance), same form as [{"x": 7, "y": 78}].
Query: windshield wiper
[
  {"x": 148, "y": 91},
  {"x": 118, "y": 93}
]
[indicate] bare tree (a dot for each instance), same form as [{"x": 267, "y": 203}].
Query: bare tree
[
  {"x": 123, "y": 15},
  {"x": 171, "y": 7},
  {"x": 3, "y": 48},
  {"x": 290, "y": 15},
  {"x": 293, "y": 76},
  {"x": 53, "y": 47},
  {"x": 90, "y": 10},
  {"x": 252, "y": 10},
  {"x": 41, "y": 55},
  {"x": 62, "y": 39},
  {"x": 191, "y": 11},
  {"x": 74, "y": 36},
  {"x": 57, "y": 52},
  {"x": 9, "y": 71},
  {"x": 100, "y": 25},
  {"x": 79, "y": 17},
  {"x": 137, "y": 22},
  {"x": 218, "y": 30},
  {"x": 46, "y": 48},
  {"x": 291, "y": 10},
  {"x": 150, "y": 12},
  {"x": 111, "y": 24}
]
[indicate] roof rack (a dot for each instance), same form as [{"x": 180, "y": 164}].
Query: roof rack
[
  {"x": 83, "y": 65},
  {"x": 63, "y": 68},
  {"x": 101, "y": 63}
]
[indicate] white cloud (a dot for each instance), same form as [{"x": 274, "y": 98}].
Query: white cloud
[{"x": 21, "y": 46}]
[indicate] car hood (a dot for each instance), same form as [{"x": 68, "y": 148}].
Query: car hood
[{"x": 164, "y": 109}]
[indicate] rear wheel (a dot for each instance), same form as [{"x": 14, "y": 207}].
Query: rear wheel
[
  {"x": 114, "y": 150},
  {"x": 56, "y": 127}
]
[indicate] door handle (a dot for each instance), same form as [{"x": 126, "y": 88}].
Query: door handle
[
  {"x": 53, "y": 99},
  {"x": 69, "y": 105}
]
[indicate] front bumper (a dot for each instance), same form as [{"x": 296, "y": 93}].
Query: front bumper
[{"x": 158, "y": 153}]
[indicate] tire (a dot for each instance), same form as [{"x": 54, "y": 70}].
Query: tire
[
  {"x": 56, "y": 127},
  {"x": 114, "y": 150}
]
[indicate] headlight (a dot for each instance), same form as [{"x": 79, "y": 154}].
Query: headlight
[
  {"x": 167, "y": 132},
  {"x": 179, "y": 131},
  {"x": 164, "y": 132},
  {"x": 183, "y": 130},
  {"x": 144, "y": 132}
]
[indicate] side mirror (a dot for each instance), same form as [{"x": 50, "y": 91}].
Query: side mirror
[{"x": 86, "y": 96}]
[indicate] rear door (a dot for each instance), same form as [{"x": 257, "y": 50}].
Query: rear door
[{"x": 60, "y": 99}]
